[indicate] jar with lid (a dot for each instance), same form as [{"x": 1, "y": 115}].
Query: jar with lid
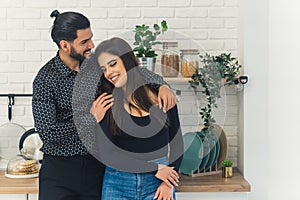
[
  {"x": 189, "y": 62},
  {"x": 170, "y": 59}
]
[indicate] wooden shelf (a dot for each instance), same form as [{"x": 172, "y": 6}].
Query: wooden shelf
[{"x": 213, "y": 183}]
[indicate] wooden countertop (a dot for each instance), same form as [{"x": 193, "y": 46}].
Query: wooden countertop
[
  {"x": 208, "y": 183},
  {"x": 214, "y": 183},
  {"x": 17, "y": 186}
]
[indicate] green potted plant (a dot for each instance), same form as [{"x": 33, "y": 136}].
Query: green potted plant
[
  {"x": 144, "y": 40},
  {"x": 217, "y": 71},
  {"x": 226, "y": 168}
]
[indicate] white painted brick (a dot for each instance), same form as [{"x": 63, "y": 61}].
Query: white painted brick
[
  {"x": 178, "y": 23},
  {"x": 45, "y": 35},
  {"x": 173, "y": 3},
  {"x": 46, "y": 56},
  {"x": 229, "y": 120},
  {"x": 40, "y": 4},
  {"x": 40, "y": 46},
  {"x": 12, "y": 68},
  {"x": 194, "y": 34},
  {"x": 231, "y": 23},
  {"x": 11, "y": 88},
  {"x": 11, "y": 24},
  {"x": 25, "y": 56},
  {"x": 2, "y": 13},
  {"x": 108, "y": 24},
  {"x": 230, "y": 130},
  {"x": 3, "y": 35},
  {"x": 94, "y": 13},
  {"x": 23, "y": 13},
  {"x": 22, "y": 101},
  {"x": 21, "y": 78},
  {"x": 223, "y": 34},
  {"x": 99, "y": 35},
  {"x": 33, "y": 67},
  {"x": 18, "y": 110},
  {"x": 231, "y": 2},
  {"x": 23, "y": 35},
  {"x": 231, "y": 44},
  {"x": 230, "y": 90},
  {"x": 73, "y": 3},
  {"x": 158, "y": 13},
  {"x": 3, "y": 79},
  {"x": 12, "y": 45},
  {"x": 225, "y": 110},
  {"x": 11, "y": 3},
  {"x": 25, "y": 121},
  {"x": 140, "y": 3},
  {"x": 28, "y": 88},
  {"x": 191, "y": 12},
  {"x": 232, "y": 141},
  {"x": 3, "y": 58},
  {"x": 131, "y": 23},
  {"x": 37, "y": 24},
  {"x": 124, "y": 13},
  {"x": 3, "y": 107},
  {"x": 28, "y": 110},
  {"x": 107, "y": 3},
  {"x": 232, "y": 152},
  {"x": 231, "y": 100},
  {"x": 212, "y": 44},
  {"x": 207, "y": 2},
  {"x": 223, "y": 12},
  {"x": 190, "y": 120},
  {"x": 207, "y": 23}
]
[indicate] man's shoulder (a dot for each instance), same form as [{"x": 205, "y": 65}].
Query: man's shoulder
[{"x": 47, "y": 70}]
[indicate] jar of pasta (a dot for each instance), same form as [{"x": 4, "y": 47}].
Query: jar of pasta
[
  {"x": 170, "y": 59},
  {"x": 189, "y": 62}
]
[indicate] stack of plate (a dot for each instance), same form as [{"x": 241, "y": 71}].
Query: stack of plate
[{"x": 203, "y": 150}]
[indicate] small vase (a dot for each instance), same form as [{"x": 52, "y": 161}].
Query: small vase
[{"x": 226, "y": 172}]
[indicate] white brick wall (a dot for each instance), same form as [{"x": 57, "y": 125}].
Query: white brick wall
[{"x": 26, "y": 44}]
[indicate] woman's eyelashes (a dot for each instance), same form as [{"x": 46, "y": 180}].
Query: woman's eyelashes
[{"x": 112, "y": 63}]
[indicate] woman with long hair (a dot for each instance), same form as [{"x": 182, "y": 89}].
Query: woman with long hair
[{"x": 140, "y": 144}]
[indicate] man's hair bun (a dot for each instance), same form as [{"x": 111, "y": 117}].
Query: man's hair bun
[{"x": 54, "y": 13}]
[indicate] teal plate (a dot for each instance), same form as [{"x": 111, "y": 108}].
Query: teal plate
[
  {"x": 213, "y": 149},
  {"x": 206, "y": 150},
  {"x": 193, "y": 153},
  {"x": 217, "y": 148}
]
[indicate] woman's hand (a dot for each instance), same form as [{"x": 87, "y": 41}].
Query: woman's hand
[
  {"x": 101, "y": 105},
  {"x": 164, "y": 192},
  {"x": 167, "y": 174},
  {"x": 166, "y": 98}
]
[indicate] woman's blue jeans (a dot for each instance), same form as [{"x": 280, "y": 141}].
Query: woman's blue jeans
[{"x": 119, "y": 185}]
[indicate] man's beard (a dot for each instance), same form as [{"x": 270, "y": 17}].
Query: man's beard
[{"x": 76, "y": 55}]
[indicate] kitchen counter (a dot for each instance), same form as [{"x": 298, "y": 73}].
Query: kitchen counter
[
  {"x": 208, "y": 183},
  {"x": 17, "y": 186}
]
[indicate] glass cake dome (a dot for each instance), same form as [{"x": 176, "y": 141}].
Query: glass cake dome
[{"x": 22, "y": 167}]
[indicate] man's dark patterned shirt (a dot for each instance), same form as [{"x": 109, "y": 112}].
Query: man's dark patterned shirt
[{"x": 52, "y": 108}]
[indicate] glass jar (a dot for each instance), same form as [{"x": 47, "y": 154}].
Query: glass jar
[
  {"x": 170, "y": 59},
  {"x": 189, "y": 62}
]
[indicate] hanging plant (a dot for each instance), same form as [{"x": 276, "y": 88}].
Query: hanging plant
[{"x": 217, "y": 71}]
